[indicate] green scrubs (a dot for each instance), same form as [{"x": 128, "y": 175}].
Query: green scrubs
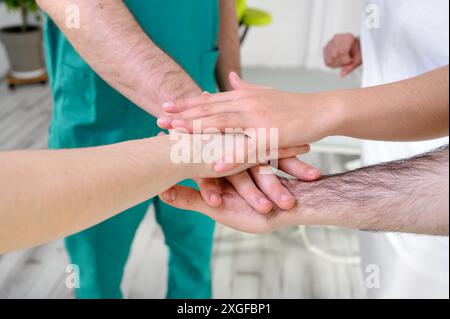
[{"x": 88, "y": 112}]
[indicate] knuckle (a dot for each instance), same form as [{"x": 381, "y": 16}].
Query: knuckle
[
  {"x": 221, "y": 120},
  {"x": 240, "y": 94},
  {"x": 203, "y": 108}
]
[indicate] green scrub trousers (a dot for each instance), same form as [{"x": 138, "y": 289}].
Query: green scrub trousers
[{"x": 88, "y": 112}]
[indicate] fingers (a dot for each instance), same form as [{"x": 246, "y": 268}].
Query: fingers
[
  {"x": 231, "y": 162},
  {"x": 238, "y": 84},
  {"x": 292, "y": 151},
  {"x": 348, "y": 69},
  {"x": 186, "y": 104},
  {"x": 209, "y": 191},
  {"x": 219, "y": 122},
  {"x": 206, "y": 98},
  {"x": 357, "y": 60},
  {"x": 337, "y": 53},
  {"x": 203, "y": 111},
  {"x": 245, "y": 186},
  {"x": 186, "y": 198},
  {"x": 270, "y": 185},
  {"x": 299, "y": 169}
]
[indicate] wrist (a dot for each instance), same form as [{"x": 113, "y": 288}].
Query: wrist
[
  {"x": 169, "y": 87},
  {"x": 332, "y": 114},
  {"x": 160, "y": 150},
  {"x": 310, "y": 209},
  {"x": 185, "y": 153}
]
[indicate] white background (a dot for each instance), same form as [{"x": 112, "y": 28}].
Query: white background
[{"x": 300, "y": 29}]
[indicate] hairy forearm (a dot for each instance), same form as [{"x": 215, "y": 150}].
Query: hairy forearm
[
  {"x": 50, "y": 194},
  {"x": 409, "y": 110},
  {"x": 229, "y": 46},
  {"x": 408, "y": 196},
  {"x": 115, "y": 46}
]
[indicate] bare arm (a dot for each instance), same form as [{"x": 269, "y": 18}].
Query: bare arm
[
  {"x": 409, "y": 110},
  {"x": 115, "y": 46},
  {"x": 229, "y": 45},
  {"x": 408, "y": 196},
  {"x": 48, "y": 194},
  {"x": 415, "y": 109}
]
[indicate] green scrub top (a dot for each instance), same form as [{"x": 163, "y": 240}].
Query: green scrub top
[{"x": 89, "y": 112}]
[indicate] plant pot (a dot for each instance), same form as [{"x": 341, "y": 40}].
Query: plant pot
[{"x": 25, "y": 51}]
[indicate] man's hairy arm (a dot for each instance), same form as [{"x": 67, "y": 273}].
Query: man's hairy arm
[
  {"x": 116, "y": 47},
  {"x": 409, "y": 196}
]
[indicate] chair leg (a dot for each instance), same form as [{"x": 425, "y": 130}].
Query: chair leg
[{"x": 244, "y": 34}]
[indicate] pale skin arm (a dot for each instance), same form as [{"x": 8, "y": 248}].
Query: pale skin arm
[
  {"x": 51, "y": 194},
  {"x": 116, "y": 47},
  {"x": 409, "y": 196},
  {"x": 409, "y": 110}
]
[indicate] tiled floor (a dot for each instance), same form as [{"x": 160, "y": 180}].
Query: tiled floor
[{"x": 279, "y": 265}]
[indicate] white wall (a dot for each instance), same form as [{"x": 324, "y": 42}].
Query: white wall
[{"x": 300, "y": 29}]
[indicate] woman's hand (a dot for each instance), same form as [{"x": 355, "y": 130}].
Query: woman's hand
[{"x": 298, "y": 119}]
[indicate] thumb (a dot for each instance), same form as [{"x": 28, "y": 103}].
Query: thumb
[
  {"x": 185, "y": 198},
  {"x": 348, "y": 69},
  {"x": 238, "y": 84}
]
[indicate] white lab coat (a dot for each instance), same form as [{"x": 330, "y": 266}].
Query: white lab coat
[{"x": 402, "y": 39}]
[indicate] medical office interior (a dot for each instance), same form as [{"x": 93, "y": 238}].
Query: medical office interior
[{"x": 282, "y": 49}]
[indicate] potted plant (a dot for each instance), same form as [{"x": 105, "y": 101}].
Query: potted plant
[{"x": 23, "y": 42}]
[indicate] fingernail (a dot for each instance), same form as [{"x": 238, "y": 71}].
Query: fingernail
[
  {"x": 179, "y": 124},
  {"x": 205, "y": 93},
  {"x": 307, "y": 148},
  {"x": 163, "y": 121},
  {"x": 264, "y": 201},
  {"x": 219, "y": 166},
  {"x": 234, "y": 75},
  {"x": 286, "y": 198},
  {"x": 170, "y": 195},
  {"x": 214, "y": 198},
  {"x": 168, "y": 106},
  {"x": 313, "y": 172}
]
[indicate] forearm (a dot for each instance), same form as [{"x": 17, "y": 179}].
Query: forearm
[
  {"x": 229, "y": 45},
  {"x": 115, "y": 46},
  {"x": 406, "y": 196},
  {"x": 50, "y": 194},
  {"x": 410, "y": 110}
]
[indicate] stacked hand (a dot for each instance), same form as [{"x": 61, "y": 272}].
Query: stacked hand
[
  {"x": 313, "y": 116},
  {"x": 250, "y": 106}
]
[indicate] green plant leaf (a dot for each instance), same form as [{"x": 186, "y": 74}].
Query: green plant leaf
[{"x": 13, "y": 5}]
